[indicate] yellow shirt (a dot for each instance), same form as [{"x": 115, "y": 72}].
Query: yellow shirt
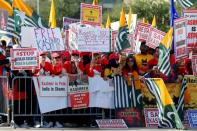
[{"x": 142, "y": 59}]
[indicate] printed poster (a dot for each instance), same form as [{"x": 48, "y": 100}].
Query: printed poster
[
  {"x": 24, "y": 59},
  {"x": 151, "y": 117},
  {"x": 142, "y": 31}
]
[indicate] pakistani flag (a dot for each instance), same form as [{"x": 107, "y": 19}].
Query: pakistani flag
[
  {"x": 186, "y": 3},
  {"x": 180, "y": 106},
  {"x": 164, "y": 53},
  {"x": 168, "y": 117},
  {"x": 122, "y": 41}
]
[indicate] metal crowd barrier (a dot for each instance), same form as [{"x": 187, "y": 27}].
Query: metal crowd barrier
[{"x": 4, "y": 98}]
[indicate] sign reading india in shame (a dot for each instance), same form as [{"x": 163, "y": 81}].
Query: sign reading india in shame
[{"x": 49, "y": 39}]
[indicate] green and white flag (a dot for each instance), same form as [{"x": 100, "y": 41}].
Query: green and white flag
[
  {"x": 168, "y": 117},
  {"x": 186, "y": 3}
]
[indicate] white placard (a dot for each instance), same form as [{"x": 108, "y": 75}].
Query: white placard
[
  {"x": 92, "y": 39},
  {"x": 142, "y": 30},
  {"x": 53, "y": 86},
  {"x": 154, "y": 38}
]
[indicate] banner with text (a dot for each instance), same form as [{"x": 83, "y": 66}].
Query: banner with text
[
  {"x": 24, "y": 59},
  {"x": 142, "y": 31},
  {"x": 53, "y": 86},
  {"x": 194, "y": 64},
  {"x": 111, "y": 124},
  {"x": 191, "y": 16},
  {"x": 154, "y": 38},
  {"x": 92, "y": 39},
  {"x": 91, "y": 14},
  {"x": 79, "y": 96},
  {"x": 180, "y": 38},
  {"x": 151, "y": 117},
  {"x": 192, "y": 117},
  {"x": 49, "y": 39}
]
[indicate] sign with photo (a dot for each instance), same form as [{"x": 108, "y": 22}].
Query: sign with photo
[
  {"x": 180, "y": 38},
  {"x": 154, "y": 38},
  {"x": 191, "y": 16},
  {"x": 90, "y": 39},
  {"x": 49, "y": 39},
  {"x": 3, "y": 19},
  {"x": 111, "y": 124},
  {"x": 151, "y": 117},
  {"x": 24, "y": 59},
  {"x": 142, "y": 31},
  {"x": 67, "y": 21},
  {"x": 91, "y": 14},
  {"x": 53, "y": 86},
  {"x": 79, "y": 96}
]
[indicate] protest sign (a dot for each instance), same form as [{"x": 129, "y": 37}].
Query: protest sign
[
  {"x": 192, "y": 117},
  {"x": 194, "y": 64},
  {"x": 154, "y": 38},
  {"x": 191, "y": 16},
  {"x": 53, "y": 86},
  {"x": 92, "y": 39},
  {"x": 3, "y": 19},
  {"x": 180, "y": 38},
  {"x": 151, "y": 117},
  {"x": 142, "y": 30},
  {"x": 79, "y": 96},
  {"x": 24, "y": 59},
  {"x": 48, "y": 39},
  {"x": 130, "y": 50},
  {"x": 111, "y": 124},
  {"x": 67, "y": 21},
  {"x": 91, "y": 14},
  {"x": 132, "y": 117},
  {"x": 49, "y": 103},
  {"x": 72, "y": 39}
]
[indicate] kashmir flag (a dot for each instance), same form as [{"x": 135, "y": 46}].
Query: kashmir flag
[
  {"x": 186, "y": 3},
  {"x": 168, "y": 117},
  {"x": 180, "y": 106},
  {"x": 52, "y": 18},
  {"x": 25, "y": 16},
  {"x": 164, "y": 53},
  {"x": 122, "y": 41},
  {"x": 10, "y": 31}
]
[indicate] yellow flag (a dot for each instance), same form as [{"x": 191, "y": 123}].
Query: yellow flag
[
  {"x": 95, "y": 2},
  {"x": 122, "y": 21},
  {"x": 167, "y": 39},
  {"x": 108, "y": 23},
  {"x": 20, "y": 5},
  {"x": 6, "y": 6},
  {"x": 147, "y": 22},
  {"x": 154, "y": 22},
  {"x": 52, "y": 18},
  {"x": 143, "y": 20},
  {"x": 129, "y": 18}
]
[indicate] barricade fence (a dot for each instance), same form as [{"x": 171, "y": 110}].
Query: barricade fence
[{"x": 76, "y": 96}]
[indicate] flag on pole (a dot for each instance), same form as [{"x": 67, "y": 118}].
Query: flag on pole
[
  {"x": 173, "y": 13},
  {"x": 122, "y": 41},
  {"x": 143, "y": 20},
  {"x": 180, "y": 107},
  {"x": 95, "y": 2},
  {"x": 108, "y": 23},
  {"x": 168, "y": 117},
  {"x": 52, "y": 18},
  {"x": 25, "y": 16},
  {"x": 129, "y": 18},
  {"x": 186, "y": 3},
  {"x": 154, "y": 22},
  {"x": 164, "y": 53}
]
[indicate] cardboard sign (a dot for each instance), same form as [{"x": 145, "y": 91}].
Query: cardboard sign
[
  {"x": 93, "y": 39},
  {"x": 132, "y": 117},
  {"x": 111, "y": 124},
  {"x": 191, "y": 16},
  {"x": 194, "y": 64},
  {"x": 3, "y": 19},
  {"x": 48, "y": 39},
  {"x": 192, "y": 117},
  {"x": 24, "y": 59},
  {"x": 151, "y": 117},
  {"x": 130, "y": 50},
  {"x": 53, "y": 86},
  {"x": 142, "y": 30},
  {"x": 180, "y": 38},
  {"x": 91, "y": 14},
  {"x": 154, "y": 38},
  {"x": 67, "y": 21},
  {"x": 79, "y": 96}
]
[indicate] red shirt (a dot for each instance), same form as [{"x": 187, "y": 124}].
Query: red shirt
[{"x": 57, "y": 69}]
